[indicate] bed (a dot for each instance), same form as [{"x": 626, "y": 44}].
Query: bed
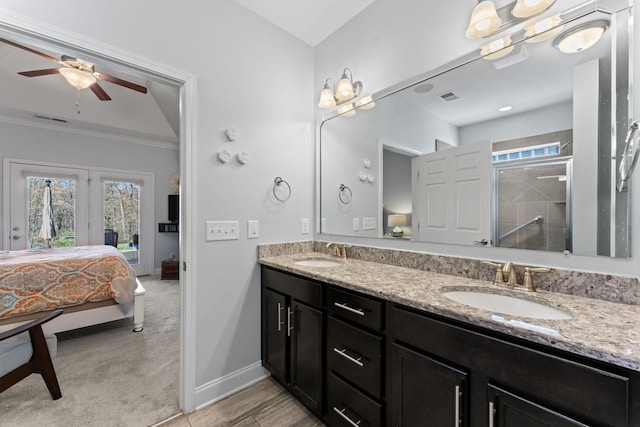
[{"x": 93, "y": 284}]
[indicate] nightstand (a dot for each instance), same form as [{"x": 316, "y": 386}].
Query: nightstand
[{"x": 169, "y": 270}]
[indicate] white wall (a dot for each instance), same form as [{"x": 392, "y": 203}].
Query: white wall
[
  {"x": 393, "y": 40},
  {"x": 530, "y": 123},
  {"x": 41, "y": 144},
  {"x": 251, "y": 76}
]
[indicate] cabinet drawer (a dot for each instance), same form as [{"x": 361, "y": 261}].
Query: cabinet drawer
[
  {"x": 347, "y": 407},
  {"x": 298, "y": 288},
  {"x": 357, "y": 308},
  {"x": 356, "y": 355}
]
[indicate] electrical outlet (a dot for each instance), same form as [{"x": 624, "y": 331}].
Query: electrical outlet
[
  {"x": 304, "y": 226},
  {"x": 222, "y": 230},
  {"x": 356, "y": 224},
  {"x": 252, "y": 229},
  {"x": 369, "y": 223}
]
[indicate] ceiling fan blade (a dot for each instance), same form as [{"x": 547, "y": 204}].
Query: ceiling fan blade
[
  {"x": 100, "y": 93},
  {"x": 28, "y": 49},
  {"x": 121, "y": 82},
  {"x": 36, "y": 73}
]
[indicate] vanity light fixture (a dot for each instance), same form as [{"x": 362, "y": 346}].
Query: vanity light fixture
[
  {"x": 366, "y": 103},
  {"x": 78, "y": 78},
  {"x": 543, "y": 29},
  {"x": 484, "y": 20},
  {"x": 347, "y": 110},
  {"x": 347, "y": 89},
  {"x": 497, "y": 49},
  {"x": 527, "y": 8},
  {"x": 581, "y": 37}
]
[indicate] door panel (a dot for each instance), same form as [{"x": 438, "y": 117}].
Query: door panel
[{"x": 454, "y": 196}]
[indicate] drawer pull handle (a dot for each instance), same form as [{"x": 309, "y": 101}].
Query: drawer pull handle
[
  {"x": 346, "y": 356},
  {"x": 289, "y": 322},
  {"x": 280, "y": 321},
  {"x": 492, "y": 412},
  {"x": 352, "y": 310},
  {"x": 349, "y": 420},
  {"x": 456, "y": 422}
]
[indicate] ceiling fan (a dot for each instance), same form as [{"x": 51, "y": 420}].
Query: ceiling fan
[{"x": 78, "y": 73}]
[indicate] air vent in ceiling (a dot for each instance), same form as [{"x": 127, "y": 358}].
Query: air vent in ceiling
[
  {"x": 55, "y": 119},
  {"x": 449, "y": 96}
]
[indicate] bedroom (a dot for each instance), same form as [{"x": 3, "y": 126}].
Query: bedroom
[{"x": 146, "y": 154}]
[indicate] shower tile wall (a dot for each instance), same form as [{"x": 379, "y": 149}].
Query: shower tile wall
[{"x": 526, "y": 193}]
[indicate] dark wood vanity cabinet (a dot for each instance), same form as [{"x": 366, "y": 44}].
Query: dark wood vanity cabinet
[
  {"x": 488, "y": 379},
  {"x": 426, "y": 389},
  {"x": 355, "y": 359},
  {"x": 292, "y": 335}
]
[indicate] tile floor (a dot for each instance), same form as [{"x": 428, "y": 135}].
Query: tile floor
[{"x": 265, "y": 404}]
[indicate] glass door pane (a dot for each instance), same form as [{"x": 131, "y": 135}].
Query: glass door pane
[
  {"x": 62, "y": 210},
  {"x": 121, "y": 201}
]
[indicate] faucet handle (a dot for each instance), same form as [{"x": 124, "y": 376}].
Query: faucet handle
[
  {"x": 499, "y": 272},
  {"x": 527, "y": 280}
]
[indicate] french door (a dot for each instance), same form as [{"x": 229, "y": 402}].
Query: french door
[{"x": 90, "y": 207}]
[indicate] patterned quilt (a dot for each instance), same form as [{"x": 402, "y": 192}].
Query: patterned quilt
[{"x": 45, "y": 279}]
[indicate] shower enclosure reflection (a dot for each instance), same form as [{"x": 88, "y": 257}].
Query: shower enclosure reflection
[{"x": 533, "y": 205}]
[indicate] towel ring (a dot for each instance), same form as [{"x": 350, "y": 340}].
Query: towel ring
[
  {"x": 277, "y": 183},
  {"x": 345, "y": 194}
]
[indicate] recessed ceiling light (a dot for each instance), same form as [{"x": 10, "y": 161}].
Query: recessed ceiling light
[
  {"x": 505, "y": 108},
  {"x": 422, "y": 88}
]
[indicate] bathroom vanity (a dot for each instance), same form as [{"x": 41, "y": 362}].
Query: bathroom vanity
[{"x": 370, "y": 344}]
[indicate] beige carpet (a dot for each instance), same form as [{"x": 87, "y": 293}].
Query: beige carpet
[{"x": 109, "y": 376}]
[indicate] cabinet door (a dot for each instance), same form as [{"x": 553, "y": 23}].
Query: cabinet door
[
  {"x": 306, "y": 355},
  {"x": 509, "y": 410},
  {"x": 274, "y": 334},
  {"x": 426, "y": 392}
]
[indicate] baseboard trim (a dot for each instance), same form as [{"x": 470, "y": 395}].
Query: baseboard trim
[{"x": 222, "y": 387}]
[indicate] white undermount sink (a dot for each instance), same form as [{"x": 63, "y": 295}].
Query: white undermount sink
[
  {"x": 317, "y": 262},
  {"x": 504, "y": 304}
]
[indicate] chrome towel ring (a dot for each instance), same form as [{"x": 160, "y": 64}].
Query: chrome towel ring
[
  {"x": 627, "y": 166},
  {"x": 281, "y": 183},
  {"x": 345, "y": 194}
]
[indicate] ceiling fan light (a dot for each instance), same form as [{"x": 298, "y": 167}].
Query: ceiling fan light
[
  {"x": 344, "y": 91},
  {"x": 527, "y": 8},
  {"x": 543, "y": 29},
  {"x": 581, "y": 37},
  {"x": 497, "y": 49},
  {"x": 484, "y": 20},
  {"x": 326, "y": 98},
  {"x": 78, "y": 78}
]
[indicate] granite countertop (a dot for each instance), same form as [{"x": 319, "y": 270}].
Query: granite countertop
[{"x": 598, "y": 329}]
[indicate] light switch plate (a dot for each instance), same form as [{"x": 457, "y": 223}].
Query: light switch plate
[
  {"x": 252, "y": 229},
  {"x": 304, "y": 226},
  {"x": 369, "y": 223},
  {"x": 222, "y": 230},
  {"x": 356, "y": 224}
]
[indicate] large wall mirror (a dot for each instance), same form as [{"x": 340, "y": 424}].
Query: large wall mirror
[{"x": 518, "y": 148}]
